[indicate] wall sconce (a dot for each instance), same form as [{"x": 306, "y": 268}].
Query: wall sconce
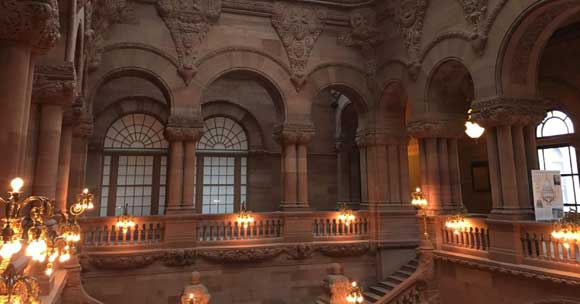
[
  {"x": 457, "y": 222},
  {"x": 245, "y": 217},
  {"x": 355, "y": 294},
  {"x": 567, "y": 229},
  {"x": 473, "y": 129},
  {"x": 125, "y": 221}
]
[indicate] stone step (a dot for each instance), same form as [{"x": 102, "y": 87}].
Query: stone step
[
  {"x": 409, "y": 268},
  {"x": 371, "y": 296},
  {"x": 403, "y": 273},
  {"x": 387, "y": 285},
  {"x": 380, "y": 290},
  {"x": 395, "y": 279}
]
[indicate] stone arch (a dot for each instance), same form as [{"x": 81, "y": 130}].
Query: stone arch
[
  {"x": 449, "y": 89},
  {"x": 392, "y": 106},
  {"x": 145, "y": 74},
  {"x": 346, "y": 79},
  {"x": 128, "y": 105},
  {"x": 241, "y": 116},
  {"x": 520, "y": 52},
  {"x": 272, "y": 73}
]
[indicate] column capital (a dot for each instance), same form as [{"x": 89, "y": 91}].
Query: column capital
[
  {"x": 54, "y": 84},
  {"x": 34, "y": 22},
  {"x": 294, "y": 133},
  {"x": 380, "y": 137},
  {"x": 182, "y": 128},
  {"x": 502, "y": 111},
  {"x": 436, "y": 128}
]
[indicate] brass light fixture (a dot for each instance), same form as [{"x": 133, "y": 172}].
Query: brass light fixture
[
  {"x": 245, "y": 217},
  {"x": 457, "y": 222},
  {"x": 473, "y": 129},
  {"x": 567, "y": 230},
  {"x": 18, "y": 289},
  {"x": 125, "y": 221},
  {"x": 345, "y": 215},
  {"x": 355, "y": 294},
  {"x": 192, "y": 299},
  {"x": 420, "y": 203}
]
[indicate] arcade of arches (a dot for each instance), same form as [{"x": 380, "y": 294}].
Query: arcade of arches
[{"x": 185, "y": 114}]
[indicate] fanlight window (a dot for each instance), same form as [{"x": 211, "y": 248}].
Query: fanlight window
[
  {"x": 221, "y": 180},
  {"x": 136, "y": 131},
  {"x": 222, "y": 134},
  {"x": 555, "y": 123},
  {"x": 134, "y": 167}
]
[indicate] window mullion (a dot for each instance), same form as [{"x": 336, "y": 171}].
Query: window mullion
[{"x": 111, "y": 204}]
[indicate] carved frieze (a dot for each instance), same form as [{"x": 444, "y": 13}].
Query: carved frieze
[
  {"x": 299, "y": 27},
  {"x": 294, "y": 133},
  {"x": 436, "y": 128},
  {"x": 300, "y": 251},
  {"x": 241, "y": 255},
  {"x": 182, "y": 128},
  {"x": 33, "y": 22},
  {"x": 121, "y": 262},
  {"x": 100, "y": 18},
  {"x": 365, "y": 36},
  {"x": 189, "y": 23},
  {"x": 344, "y": 250},
  {"x": 409, "y": 16},
  {"x": 54, "y": 84},
  {"x": 498, "y": 111},
  {"x": 179, "y": 257}
]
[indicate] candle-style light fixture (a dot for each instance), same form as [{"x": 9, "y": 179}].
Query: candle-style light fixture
[
  {"x": 245, "y": 217},
  {"x": 355, "y": 294},
  {"x": 46, "y": 235},
  {"x": 192, "y": 299},
  {"x": 125, "y": 221},
  {"x": 420, "y": 203},
  {"x": 457, "y": 222},
  {"x": 567, "y": 230},
  {"x": 345, "y": 214},
  {"x": 472, "y": 128}
]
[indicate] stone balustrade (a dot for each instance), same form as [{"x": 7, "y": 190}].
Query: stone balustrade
[
  {"x": 220, "y": 228},
  {"x": 541, "y": 249},
  {"x": 102, "y": 232},
  {"x": 328, "y": 225},
  {"x": 474, "y": 236}
]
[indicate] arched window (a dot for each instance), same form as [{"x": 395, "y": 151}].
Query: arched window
[
  {"x": 134, "y": 167},
  {"x": 555, "y": 152},
  {"x": 221, "y": 181}
]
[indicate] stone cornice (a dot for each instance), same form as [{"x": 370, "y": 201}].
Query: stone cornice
[
  {"x": 54, "y": 84},
  {"x": 33, "y": 22},
  {"x": 505, "y": 268},
  {"x": 501, "y": 111}
]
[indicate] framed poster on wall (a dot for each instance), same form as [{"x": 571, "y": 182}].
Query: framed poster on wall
[{"x": 548, "y": 199}]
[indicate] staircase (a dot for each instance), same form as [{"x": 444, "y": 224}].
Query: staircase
[{"x": 375, "y": 293}]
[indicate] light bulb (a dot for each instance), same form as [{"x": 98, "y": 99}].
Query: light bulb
[
  {"x": 49, "y": 269},
  {"x": 17, "y": 184},
  {"x": 90, "y": 206},
  {"x": 473, "y": 130},
  {"x": 86, "y": 191}
]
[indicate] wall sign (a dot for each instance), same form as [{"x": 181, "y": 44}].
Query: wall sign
[{"x": 548, "y": 202}]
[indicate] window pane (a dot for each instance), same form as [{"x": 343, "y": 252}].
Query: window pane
[{"x": 558, "y": 159}]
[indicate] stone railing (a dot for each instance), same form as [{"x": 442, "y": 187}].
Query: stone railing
[
  {"x": 102, "y": 232},
  {"x": 541, "y": 249},
  {"x": 207, "y": 230},
  {"x": 475, "y": 236}
]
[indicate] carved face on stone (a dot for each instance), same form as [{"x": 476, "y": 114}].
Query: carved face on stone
[
  {"x": 301, "y": 22},
  {"x": 363, "y": 22},
  {"x": 407, "y": 12}
]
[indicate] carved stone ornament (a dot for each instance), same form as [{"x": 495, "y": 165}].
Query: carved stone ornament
[
  {"x": 120, "y": 262},
  {"x": 344, "y": 250},
  {"x": 299, "y": 27},
  {"x": 54, "y": 84},
  {"x": 34, "y": 22},
  {"x": 100, "y": 18},
  {"x": 294, "y": 133},
  {"x": 409, "y": 16},
  {"x": 241, "y": 255},
  {"x": 180, "y": 128},
  {"x": 498, "y": 111},
  {"x": 189, "y": 22},
  {"x": 179, "y": 257},
  {"x": 436, "y": 128},
  {"x": 365, "y": 36},
  {"x": 300, "y": 251}
]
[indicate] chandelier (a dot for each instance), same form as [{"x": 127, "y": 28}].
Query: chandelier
[
  {"x": 345, "y": 215},
  {"x": 567, "y": 229},
  {"x": 355, "y": 294},
  {"x": 420, "y": 203},
  {"x": 46, "y": 235},
  {"x": 457, "y": 222},
  {"x": 125, "y": 221},
  {"x": 473, "y": 129},
  {"x": 245, "y": 217}
]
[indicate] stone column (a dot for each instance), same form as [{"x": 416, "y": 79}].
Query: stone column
[
  {"x": 438, "y": 152},
  {"x": 511, "y": 149},
  {"x": 183, "y": 134},
  {"x": 64, "y": 161},
  {"x": 53, "y": 90},
  {"x": 82, "y": 130},
  {"x": 294, "y": 140},
  {"x": 27, "y": 28}
]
